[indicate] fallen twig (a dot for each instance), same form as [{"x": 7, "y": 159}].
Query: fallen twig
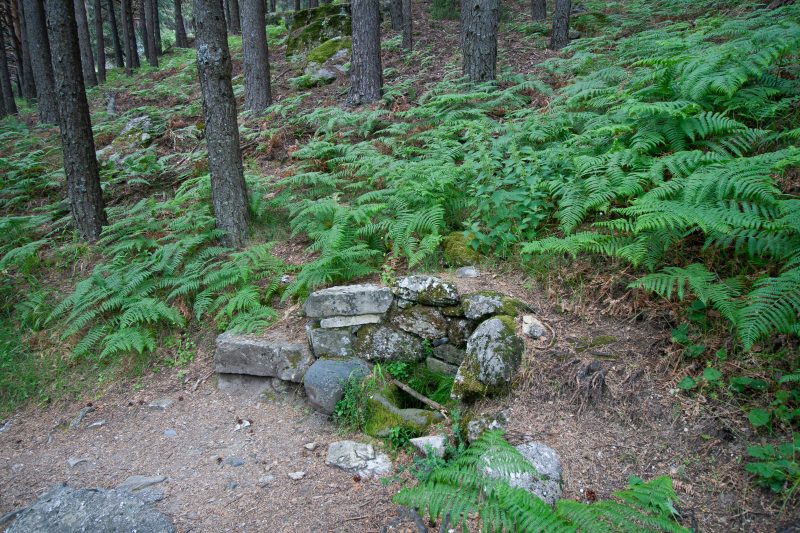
[{"x": 424, "y": 399}]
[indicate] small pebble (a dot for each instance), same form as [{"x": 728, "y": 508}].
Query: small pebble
[
  {"x": 170, "y": 433},
  {"x": 264, "y": 481},
  {"x": 74, "y": 461},
  {"x": 297, "y": 476},
  {"x": 467, "y": 272},
  {"x": 311, "y": 446},
  {"x": 160, "y": 405},
  {"x": 98, "y": 424},
  {"x": 232, "y": 485},
  {"x": 234, "y": 461}
]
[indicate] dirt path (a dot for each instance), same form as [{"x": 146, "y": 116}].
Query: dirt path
[{"x": 203, "y": 492}]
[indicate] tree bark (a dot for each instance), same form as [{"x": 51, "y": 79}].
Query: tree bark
[
  {"x": 366, "y": 78},
  {"x": 180, "y": 28},
  {"x": 297, "y": 5},
  {"x": 100, "y": 39},
  {"x": 129, "y": 35},
  {"x": 396, "y": 14},
  {"x": 12, "y": 19},
  {"x": 257, "y": 91},
  {"x": 559, "y": 37},
  {"x": 148, "y": 33},
  {"x": 41, "y": 64},
  {"x": 9, "y": 106},
  {"x": 80, "y": 163},
  {"x": 236, "y": 26},
  {"x": 228, "y": 189},
  {"x": 313, "y": 3},
  {"x": 119, "y": 57},
  {"x": 28, "y": 82},
  {"x": 156, "y": 26},
  {"x": 408, "y": 43},
  {"x": 272, "y": 6},
  {"x": 539, "y": 9},
  {"x": 85, "y": 43},
  {"x": 479, "y": 20}
]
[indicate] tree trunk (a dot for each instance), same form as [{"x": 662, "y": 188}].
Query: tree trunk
[
  {"x": 396, "y": 14},
  {"x": 313, "y": 3},
  {"x": 80, "y": 164},
  {"x": 119, "y": 57},
  {"x": 180, "y": 28},
  {"x": 85, "y": 42},
  {"x": 366, "y": 78},
  {"x": 28, "y": 82},
  {"x": 236, "y": 20},
  {"x": 148, "y": 33},
  {"x": 297, "y": 5},
  {"x": 228, "y": 189},
  {"x": 129, "y": 35},
  {"x": 101, "y": 42},
  {"x": 479, "y": 38},
  {"x": 227, "y": 5},
  {"x": 12, "y": 16},
  {"x": 257, "y": 91},
  {"x": 272, "y": 6},
  {"x": 539, "y": 9},
  {"x": 559, "y": 37},
  {"x": 9, "y": 106},
  {"x": 408, "y": 43},
  {"x": 41, "y": 64},
  {"x": 156, "y": 16}
]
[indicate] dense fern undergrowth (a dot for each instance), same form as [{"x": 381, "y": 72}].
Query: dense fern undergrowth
[{"x": 666, "y": 145}]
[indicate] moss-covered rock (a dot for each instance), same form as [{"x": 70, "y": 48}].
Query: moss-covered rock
[
  {"x": 481, "y": 304},
  {"x": 383, "y": 414},
  {"x": 459, "y": 330},
  {"x": 328, "y": 49},
  {"x": 427, "y": 290},
  {"x": 311, "y": 27},
  {"x": 423, "y": 321},
  {"x": 494, "y": 354},
  {"x": 457, "y": 251}
]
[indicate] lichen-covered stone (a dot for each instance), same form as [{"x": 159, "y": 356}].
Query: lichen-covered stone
[
  {"x": 431, "y": 444},
  {"x": 272, "y": 356},
  {"x": 459, "y": 330},
  {"x": 68, "y": 510},
  {"x": 427, "y": 290},
  {"x": 440, "y": 367},
  {"x": 494, "y": 353},
  {"x": 532, "y": 327},
  {"x": 330, "y": 342},
  {"x": 377, "y": 342},
  {"x": 348, "y": 300},
  {"x": 310, "y": 27},
  {"x": 453, "y": 310},
  {"x": 546, "y": 483},
  {"x": 383, "y": 415},
  {"x": 358, "y": 458},
  {"x": 487, "y": 422},
  {"x": 324, "y": 381},
  {"x": 449, "y": 353},
  {"x": 423, "y": 321},
  {"x": 347, "y": 321},
  {"x": 457, "y": 251},
  {"x": 478, "y": 305}
]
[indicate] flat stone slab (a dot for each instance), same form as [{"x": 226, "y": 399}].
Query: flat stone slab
[
  {"x": 434, "y": 444},
  {"x": 68, "y": 510},
  {"x": 325, "y": 379},
  {"x": 546, "y": 484},
  {"x": 348, "y": 300},
  {"x": 441, "y": 367},
  {"x": 346, "y": 321},
  {"x": 358, "y": 458},
  {"x": 427, "y": 290},
  {"x": 262, "y": 356},
  {"x": 330, "y": 342}
]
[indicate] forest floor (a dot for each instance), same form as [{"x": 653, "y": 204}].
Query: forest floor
[{"x": 641, "y": 428}]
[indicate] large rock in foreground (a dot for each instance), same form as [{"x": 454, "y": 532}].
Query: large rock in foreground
[
  {"x": 494, "y": 353},
  {"x": 547, "y": 485},
  {"x": 358, "y": 458},
  {"x": 262, "y": 356},
  {"x": 68, "y": 510},
  {"x": 324, "y": 381},
  {"x": 348, "y": 300}
]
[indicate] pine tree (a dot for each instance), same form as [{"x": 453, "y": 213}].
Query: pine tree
[
  {"x": 119, "y": 57},
  {"x": 396, "y": 14},
  {"x": 156, "y": 26},
  {"x": 366, "y": 77},
  {"x": 257, "y": 90},
  {"x": 559, "y": 37},
  {"x": 408, "y": 22},
  {"x": 41, "y": 64},
  {"x": 28, "y": 83},
  {"x": 9, "y": 106},
  {"x": 479, "y": 19},
  {"x": 235, "y": 19},
  {"x": 100, "y": 40},
  {"x": 80, "y": 163},
  {"x": 85, "y": 43},
  {"x": 181, "y": 40},
  {"x": 228, "y": 189},
  {"x": 129, "y": 35},
  {"x": 150, "y": 38},
  {"x": 539, "y": 9}
]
